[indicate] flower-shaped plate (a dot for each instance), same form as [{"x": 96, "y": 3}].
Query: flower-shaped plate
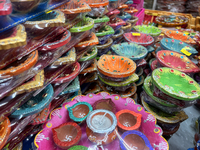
[
  {"x": 116, "y": 66},
  {"x": 176, "y": 61},
  {"x": 176, "y": 84},
  {"x": 5, "y": 7},
  {"x": 5, "y": 129},
  {"x": 151, "y": 30},
  {"x": 143, "y": 39},
  {"x": 130, "y": 50},
  {"x": 89, "y": 55},
  {"x": 176, "y": 45},
  {"x": 179, "y": 36},
  {"x": 44, "y": 139}
]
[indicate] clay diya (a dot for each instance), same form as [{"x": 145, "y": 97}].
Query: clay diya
[
  {"x": 84, "y": 25},
  {"x": 128, "y": 120},
  {"x": 106, "y": 104},
  {"x": 35, "y": 104},
  {"x": 172, "y": 20},
  {"x": 100, "y": 22},
  {"x": 43, "y": 24},
  {"x": 131, "y": 10},
  {"x": 154, "y": 65},
  {"x": 19, "y": 146},
  {"x": 103, "y": 49},
  {"x": 5, "y": 129},
  {"x": 176, "y": 61},
  {"x": 78, "y": 147},
  {"x": 176, "y": 45},
  {"x": 133, "y": 20},
  {"x": 13, "y": 38},
  {"x": 79, "y": 111},
  {"x": 67, "y": 135},
  {"x": 5, "y": 7},
  {"x": 113, "y": 4},
  {"x": 179, "y": 36},
  {"x": 20, "y": 66},
  {"x": 93, "y": 88},
  {"x": 124, "y": 16},
  {"x": 129, "y": 2},
  {"x": 118, "y": 35},
  {"x": 143, "y": 39},
  {"x": 74, "y": 86},
  {"x": 139, "y": 71},
  {"x": 89, "y": 55},
  {"x": 140, "y": 81},
  {"x": 134, "y": 140},
  {"x": 130, "y": 50},
  {"x": 151, "y": 30},
  {"x": 116, "y": 23},
  {"x": 91, "y": 69},
  {"x": 116, "y": 66},
  {"x": 69, "y": 74},
  {"x": 112, "y": 14},
  {"x": 104, "y": 34},
  {"x": 100, "y": 124},
  {"x": 127, "y": 27}
]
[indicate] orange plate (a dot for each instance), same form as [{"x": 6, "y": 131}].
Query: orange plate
[{"x": 5, "y": 129}]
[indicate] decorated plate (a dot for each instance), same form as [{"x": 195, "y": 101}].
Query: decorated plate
[
  {"x": 151, "y": 30},
  {"x": 44, "y": 139},
  {"x": 130, "y": 50},
  {"x": 176, "y": 84}
]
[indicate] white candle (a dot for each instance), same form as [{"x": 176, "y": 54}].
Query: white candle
[{"x": 101, "y": 123}]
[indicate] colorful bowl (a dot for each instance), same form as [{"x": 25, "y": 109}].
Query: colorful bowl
[
  {"x": 130, "y": 50},
  {"x": 89, "y": 55},
  {"x": 151, "y": 30},
  {"x": 126, "y": 28},
  {"x": 74, "y": 86},
  {"x": 103, "y": 49},
  {"x": 5, "y": 129},
  {"x": 5, "y": 8},
  {"x": 106, "y": 104},
  {"x": 78, "y": 147},
  {"x": 116, "y": 66},
  {"x": 133, "y": 20},
  {"x": 91, "y": 69}
]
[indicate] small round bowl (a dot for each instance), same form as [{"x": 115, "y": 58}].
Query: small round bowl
[
  {"x": 106, "y": 104},
  {"x": 5, "y": 129},
  {"x": 67, "y": 135},
  {"x": 128, "y": 120},
  {"x": 151, "y": 30},
  {"x": 79, "y": 111}
]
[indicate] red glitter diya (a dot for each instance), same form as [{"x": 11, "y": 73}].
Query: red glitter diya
[
  {"x": 106, "y": 104},
  {"x": 116, "y": 23},
  {"x": 128, "y": 120},
  {"x": 67, "y": 135},
  {"x": 5, "y": 7}
]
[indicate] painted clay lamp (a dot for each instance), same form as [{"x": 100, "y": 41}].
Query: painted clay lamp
[
  {"x": 89, "y": 55},
  {"x": 13, "y": 38},
  {"x": 80, "y": 111},
  {"x": 20, "y": 66},
  {"x": 43, "y": 24},
  {"x": 135, "y": 140},
  {"x": 35, "y": 104},
  {"x": 131, "y": 10},
  {"x": 5, "y": 7},
  {"x": 5, "y": 129},
  {"x": 176, "y": 61},
  {"x": 78, "y": 147},
  {"x": 133, "y": 20},
  {"x": 176, "y": 45},
  {"x": 106, "y": 104},
  {"x": 69, "y": 74},
  {"x": 130, "y": 50},
  {"x": 117, "y": 35},
  {"x": 100, "y": 22},
  {"x": 140, "y": 81},
  {"x": 93, "y": 88},
  {"x": 67, "y": 135},
  {"x": 116, "y": 23},
  {"x": 113, "y": 14},
  {"x": 154, "y": 65},
  {"x": 101, "y": 123},
  {"x": 139, "y": 71},
  {"x": 127, "y": 27},
  {"x": 103, "y": 49},
  {"x": 151, "y": 30},
  {"x": 179, "y": 36},
  {"x": 129, "y": 2},
  {"x": 124, "y": 16},
  {"x": 91, "y": 69}
]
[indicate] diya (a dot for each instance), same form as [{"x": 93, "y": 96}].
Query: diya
[
  {"x": 67, "y": 135},
  {"x": 5, "y": 129},
  {"x": 106, "y": 104},
  {"x": 151, "y": 30},
  {"x": 134, "y": 140},
  {"x": 113, "y": 4},
  {"x": 128, "y": 120},
  {"x": 116, "y": 23},
  {"x": 6, "y": 8},
  {"x": 103, "y": 49},
  {"x": 154, "y": 65},
  {"x": 140, "y": 81},
  {"x": 91, "y": 69},
  {"x": 113, "y": 14},
  {"x": 91, "y": 54},
  {"x": 124, "y": 16},
  {"x": 118, "y": 35},
  {"x": 80, "y": 111},
  {"x": 93, "y": 88},
  {"x": 127, "y": 27},
  {"x": 100, "y": 22},
  {"x": 101, "y": 126},
  {"x": 133, "y": 20},
  {"x": 78, "y": 147},
  {"x": 131, "y": 10}
]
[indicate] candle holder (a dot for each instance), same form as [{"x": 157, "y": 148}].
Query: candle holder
[
  {"x": 134, "y": 139},
  {"x": 104, "y": 34},
  {"x": 103, "y": 49},
  {"x": 127, "y": 27},
  {"x": 151, "y": 30},
  {"x": 100, "y": 22},
  {"x": 124, "y": 16},
  {"x": 101, "y": 126},
  {"x": 106, "y": 104},
  {"x": 116, "y": 23},
  {"x": 133, "y": 20},
  {"x": 6, "y": 7},
  {"x": 89, "y": 55},
  {"x": 91, "y": 69},
  {"x": 79, "y": 111},
  {"x": 118, "y": 35},
  {"x": 78, "y": 147},
  {"x": 5, "y": 129},
  {"x": 67, "y": 135}
]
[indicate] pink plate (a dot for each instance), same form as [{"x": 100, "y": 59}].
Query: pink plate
[{"x": 44, "y": 139}]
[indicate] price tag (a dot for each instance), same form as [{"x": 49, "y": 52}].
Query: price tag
[
  {"x": 187, "y": 33},
  {"x": 48, "y": 11},
  {"x": 178, "y": 27},
  {"x": 136, "y": 34},
  {"x": 184, "y": 51}
]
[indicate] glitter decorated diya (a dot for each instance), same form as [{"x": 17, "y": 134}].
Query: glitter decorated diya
[
  {"x": 5, "y": 129},
  {"x": 106, "y": 104},
  {"x": 100, "y": 22},
  {"x": 103, "y": 49},
  {"x": 5, "y": 7},
  {"x": 151, "y": 30},
  {"x": 127, "y": 27},
  {"x": 133, "y": 20},
  {"x": 91, "y": 54},
  {"x": 118, "y": 35},
  {"x": 101, "y": 126},
  {"x": 67, "y": 135},
  {"x": 78, "y": 147}
]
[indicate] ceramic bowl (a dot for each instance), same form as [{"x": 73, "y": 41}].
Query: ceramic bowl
[
  {"x": 13, "y": 38},
  {"x": 20, "y": 66},
  {"x": 78, "y": 147},
  {"x": 103, "y": 49},
  {"x": 104, "y": 34},
  {"x": 130, "y": 50},
  {"x": 133, "y": 20},
  {"x": 80, "y": 111},
  {"x": 106, "y": 62},
  {"x": 131, "y": 10},
  {"x": 176, "y": 61},
  {"x": 136, "y": 140},
  {"x": 127, "y": 27},
  {"x": 89, "y": 55},
  {"x": 151, "y": 30},
  {"x": 5, "y": 129},
  {"x": 176, "y": 45},
  {"x": 67, "y": 135},
  {"x": 106, "y": 104},
  {"x": 179, "y": 36},
  {"x": 35, "y": 104},
  {"x": 6, "y": 8},
  {"x": 43, "y": 24}
]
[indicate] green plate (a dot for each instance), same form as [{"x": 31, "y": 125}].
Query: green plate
[
  {"x": 101, "y": 19},
  {"x": 176, "y": 84},
  {"x": 151, "y": 30},
  {"x": 107, "y": 30},
  {"x": 147, "y": 87},
  {"x": 89, "y": 55}
]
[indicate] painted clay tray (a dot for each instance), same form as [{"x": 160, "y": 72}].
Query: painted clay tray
[
  {"x": 107, "y": 30},
  {"x": 5, "y": 129},
  {"x": 89, "y": 55},
  {"x": 101, "y": 19},
  {"x": 143, "y": 39},
  {"x": 131, "y": 10},
  {"x": 181, "y": 86},
  {"x": 179, "y": 36},
  {"x": 162, "y": 116},
  {"x": 13, "y": 38},
  {"x": 176, "y": 45},
  {"x": 20, "y": 66},
  {"x": 84, "y": 25},
  {"x": 130, "y": 50},
  {"x": 35, "y": 104},
  {"x": 44, "y": 139},
  {"x": 92, "y": 68},
  {"x": 176, "y": 61},
  {"x": 5, "y": 7},
  {"x": 116, "y": 66},
  {"x": 151, "y": 30},
  {"x": 74, "y": 86}
]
